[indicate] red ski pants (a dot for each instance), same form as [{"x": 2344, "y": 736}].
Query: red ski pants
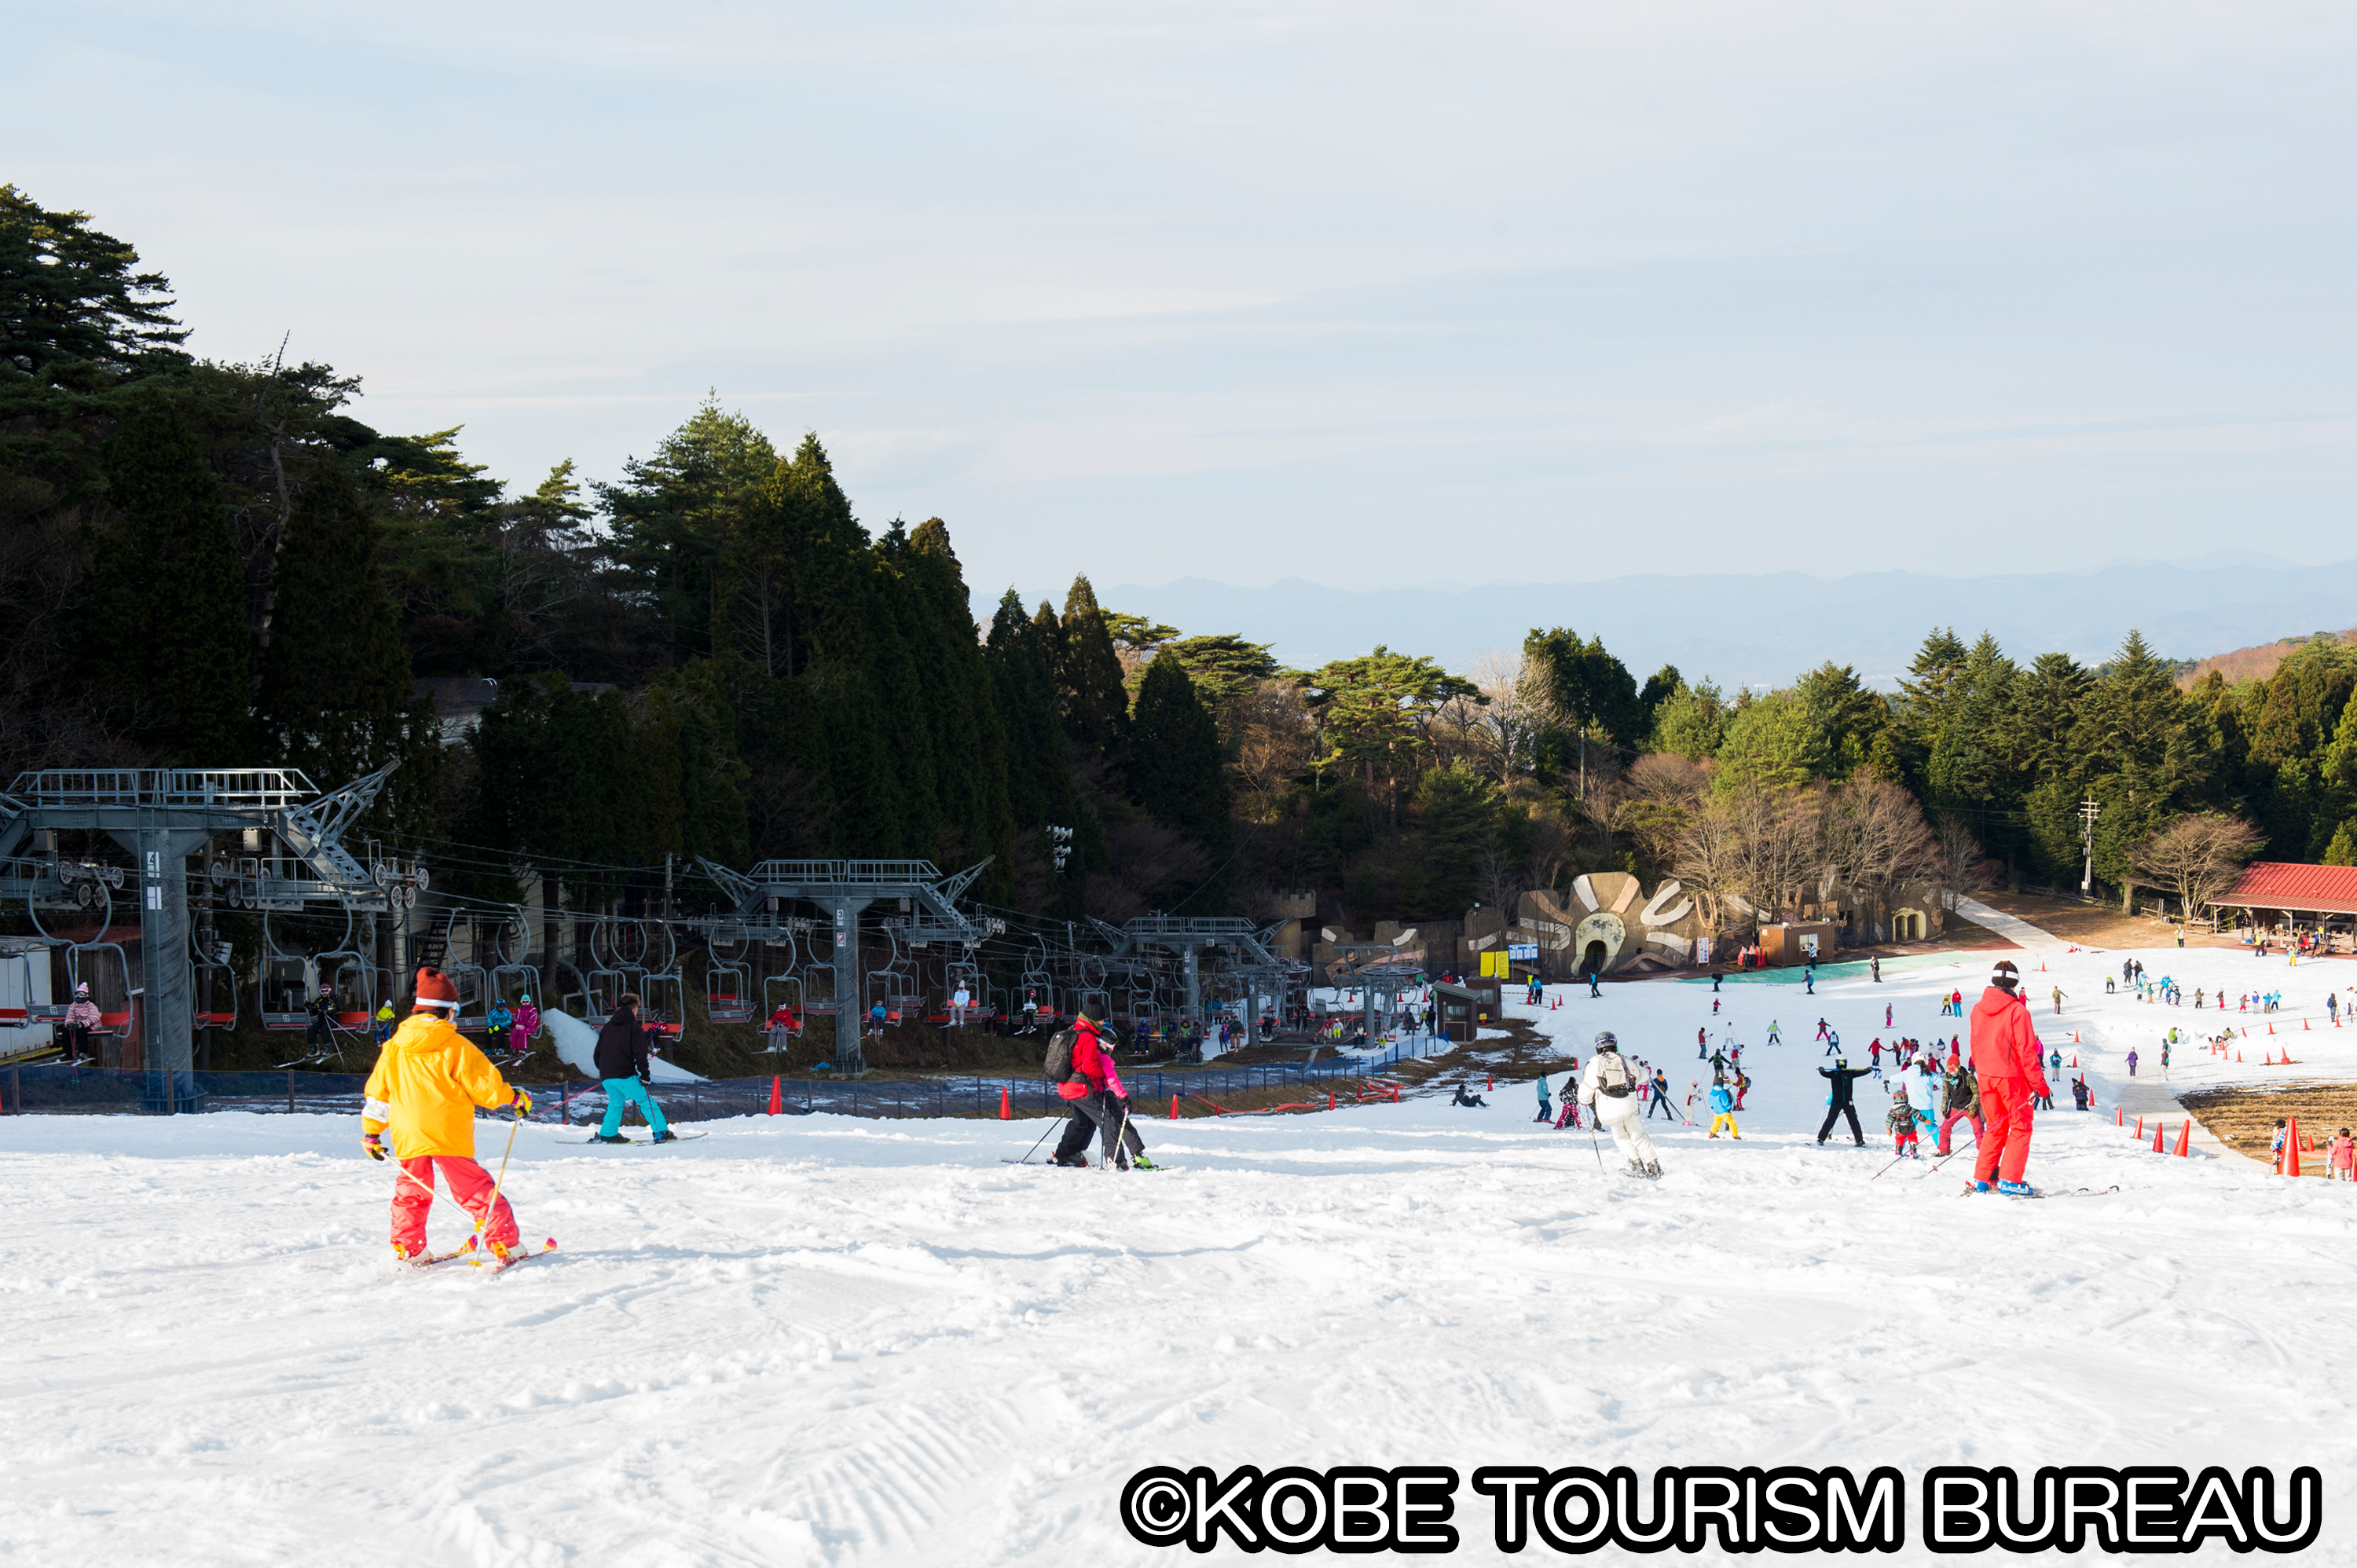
[
  {"x": 470, "y": 1184},
  {"x": 1950, "y": 1120},
  {"x": 2007, "y": 1110}
]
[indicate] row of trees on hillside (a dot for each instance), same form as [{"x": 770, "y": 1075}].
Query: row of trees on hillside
[{"x": 205, "y": 561}]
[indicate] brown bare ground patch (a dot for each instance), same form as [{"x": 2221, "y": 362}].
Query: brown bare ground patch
[
  {"x": 2243, "y": 1118},
  {"x": 2095, "y": 924}
]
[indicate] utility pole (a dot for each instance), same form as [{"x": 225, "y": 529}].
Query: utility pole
[{"x": 2088, "y": 811}]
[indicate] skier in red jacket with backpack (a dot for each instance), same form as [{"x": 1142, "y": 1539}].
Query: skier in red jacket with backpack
[
  {"x": 2006, "y": 1067},
  {"x": 1095, "y": 1100}
]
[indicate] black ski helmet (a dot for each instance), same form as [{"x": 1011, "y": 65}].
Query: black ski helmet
[
  {"x": 1841, "y": 1061},
  {"x": 1608, "y": 1041}
]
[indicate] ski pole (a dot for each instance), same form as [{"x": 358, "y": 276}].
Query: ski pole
[
  {"x": 491, "y": 1204},
  {"x": 1598, "y": 1147},
  {"x": 1970, "y": 1139},
  {"x": 1043, "y": 1138}
]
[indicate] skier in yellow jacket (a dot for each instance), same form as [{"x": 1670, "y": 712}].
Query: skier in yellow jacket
[{"x": 428, "y": 1080}]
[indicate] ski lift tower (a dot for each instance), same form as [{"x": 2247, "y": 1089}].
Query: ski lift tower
[
  {"x": 845, "y": 890},
  {"x": 1189, "y": 935},
  {"x": 161, "y": 816},
  {"x": 1375, "y": 976}
]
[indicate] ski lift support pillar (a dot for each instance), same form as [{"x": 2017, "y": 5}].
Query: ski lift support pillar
[
  {"x": 1187, "y": 936},
  {"x": 161, "y": 816},
  {"x": 844, "y": 889}
]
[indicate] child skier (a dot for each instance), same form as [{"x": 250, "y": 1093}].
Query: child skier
[
  {"x": 384, "y": 1022},
  {"x": 1722, "y": 1112},
  {"x": 497, "y": 1023},
  {"x": 425, "y": 1087},
  {"x": 2340, "y": 1159},
  {"x": 526, "y": 1030},
  {"x": 1569, "y": 1115},
  {"x": 1546, "y": 1110},
  {"x": 1901, "y": 1123}
]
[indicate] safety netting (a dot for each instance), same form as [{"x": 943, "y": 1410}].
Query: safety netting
[{"x": 57, "y": 1088}]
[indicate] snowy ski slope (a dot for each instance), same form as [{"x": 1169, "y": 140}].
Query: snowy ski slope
[{"x": 834, "y": 1341}]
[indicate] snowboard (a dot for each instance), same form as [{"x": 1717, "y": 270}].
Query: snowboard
[{"x": 639, "y": 1142}]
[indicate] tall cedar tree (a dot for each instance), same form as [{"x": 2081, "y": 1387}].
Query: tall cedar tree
[
  {"x": 162, "y": 618},
  {"x": 1089, "y": 682},
  {"x": 335, "y": 698},
  {"x": 1038, "y": 768},
  {"x": 969, "y": 745},
  {"x": 1176, "y": 772}
]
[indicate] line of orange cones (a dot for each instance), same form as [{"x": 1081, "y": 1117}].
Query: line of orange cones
[{"x": 2184, "y": 1133}]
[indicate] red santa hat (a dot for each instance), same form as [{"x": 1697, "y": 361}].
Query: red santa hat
[{"x": 434, "y": 991}]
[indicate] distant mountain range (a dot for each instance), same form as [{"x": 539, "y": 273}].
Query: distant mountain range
[{"x": 1763, "y": 629}]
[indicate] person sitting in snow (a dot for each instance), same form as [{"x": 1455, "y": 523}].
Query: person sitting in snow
[
  {"x": 1466, "y": 1096},
  {"x": 425, "y": 1088}
]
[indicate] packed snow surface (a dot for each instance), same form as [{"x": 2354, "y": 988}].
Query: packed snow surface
[{"x": 819, "y": 1339}]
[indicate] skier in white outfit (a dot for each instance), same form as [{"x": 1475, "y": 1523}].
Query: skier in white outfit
[{"x": 1610, "y": 1087}]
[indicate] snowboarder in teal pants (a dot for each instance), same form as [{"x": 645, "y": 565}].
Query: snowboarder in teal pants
[{"x": 625, "y": 1068}]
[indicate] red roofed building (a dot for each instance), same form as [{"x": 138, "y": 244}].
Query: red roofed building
[{"x": 2286, "y": 887}]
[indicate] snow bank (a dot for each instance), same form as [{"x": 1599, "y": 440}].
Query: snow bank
[
  {"x": 826, "y": 1340},
  {"x": 576, "y": 1043}
]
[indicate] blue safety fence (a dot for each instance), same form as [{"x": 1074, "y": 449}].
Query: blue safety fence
[{"x": 56, "y": 1089}]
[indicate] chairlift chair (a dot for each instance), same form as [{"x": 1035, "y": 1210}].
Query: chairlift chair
[
  {"x": 287, "y": 987},
  {"x": 783, "y": 990},
  {"x": 213, "y": 986},
  {"x": 108, "y": 972},
  {"x": 663, "y": 994},
  {"x": 18, "y": 1013},
  {"x": 895, "y": 983},
  {"x": 728, "y": 984},
  {"x": 354, "y": 979},
  {"x": 511, "y": 980}
]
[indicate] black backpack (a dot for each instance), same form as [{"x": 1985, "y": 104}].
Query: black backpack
[{"x": 1059, "y": 1055}]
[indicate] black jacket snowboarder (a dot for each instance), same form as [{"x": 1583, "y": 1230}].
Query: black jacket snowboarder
[
  {"x": 1842, "y": 1076},
  {"x": 622, "y": 1049}
]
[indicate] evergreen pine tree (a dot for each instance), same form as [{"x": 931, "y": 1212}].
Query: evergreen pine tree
[
  {"x": 1038, "y": 768},
  {"x": 1088, "y": 681},
  {"x": 1176, "y": 771},
  {"x": 2342, "y": 850},
  {"x": 969, "y": 742},
  {"x": 335, "y": 698},
  {"x": 161, "y": 617}
]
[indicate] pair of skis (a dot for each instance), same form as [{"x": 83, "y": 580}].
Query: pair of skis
[{"x": 483, "y": 1257}]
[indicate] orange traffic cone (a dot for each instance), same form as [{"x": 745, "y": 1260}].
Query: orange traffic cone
[
  {"x": 2074, "y": 1058},
  {"x": 1005, "y": 1104},
  {"x": 2291, "y": 1147},
  {"x": 2139, "y": 1129},
  {"x": 1491, "y": 1084},
  {"x": 778, "y": 1095},
  {"x": 1329, "y": 1099},
  {"x": 2184, "y": 1136},
  {"x": 2119, "y": 1117},
  {"x": 2156, "y": 1138},
  {"x": 1174, "y": 1108}
]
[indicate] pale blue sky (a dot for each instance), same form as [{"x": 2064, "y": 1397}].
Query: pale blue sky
[{"x": 1362, "y": 294}]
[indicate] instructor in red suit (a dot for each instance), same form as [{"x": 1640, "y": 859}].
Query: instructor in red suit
[{"x": 2004, "y": 1061}]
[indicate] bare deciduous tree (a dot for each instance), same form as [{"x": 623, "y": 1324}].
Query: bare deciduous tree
[
  {"x": 2197, "y": 856},
  {"x": 1873, "y": 838},
  {"x": 1961, "y": 868}
]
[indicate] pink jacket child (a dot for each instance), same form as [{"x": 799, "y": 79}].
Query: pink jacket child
[{"x": 2340, "y": 1159}]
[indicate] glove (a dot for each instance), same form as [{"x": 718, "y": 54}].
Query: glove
[
  {"x": 647, "y": 1078},
  {"x": 522, "y": 1103},
  {"x": 374, "y": 1143}
]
